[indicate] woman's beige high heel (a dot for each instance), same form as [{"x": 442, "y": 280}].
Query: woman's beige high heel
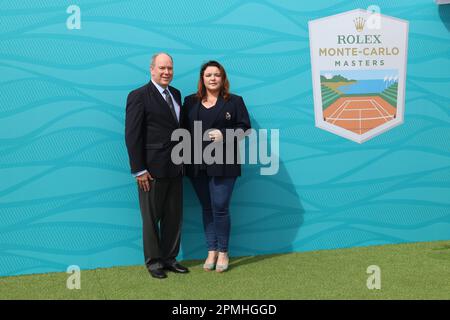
[
  {"x": 210, "y": 266},
  {"x": 222, "y": 267}
]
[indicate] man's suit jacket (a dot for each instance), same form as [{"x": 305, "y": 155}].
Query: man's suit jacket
[
  {"x": 149, "y": 125},
  {"x": 231, "y": 114}
]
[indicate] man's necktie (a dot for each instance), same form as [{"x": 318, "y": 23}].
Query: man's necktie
[{"x": 170, "y": 103}]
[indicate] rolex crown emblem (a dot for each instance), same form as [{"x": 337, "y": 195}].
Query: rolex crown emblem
[{"x": 359, "y": 24}]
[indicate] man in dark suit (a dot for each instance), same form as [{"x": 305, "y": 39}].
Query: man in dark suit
[{"x": 152, "y": 114}]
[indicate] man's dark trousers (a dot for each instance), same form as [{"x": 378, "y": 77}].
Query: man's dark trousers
[{"x": 163, "y": 204}]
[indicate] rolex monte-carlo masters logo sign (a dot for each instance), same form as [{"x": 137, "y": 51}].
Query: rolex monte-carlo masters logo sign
[{"x": 359, "y": 71}]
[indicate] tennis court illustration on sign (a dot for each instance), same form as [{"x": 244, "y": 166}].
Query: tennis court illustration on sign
[{"x": 352, "y": 101}]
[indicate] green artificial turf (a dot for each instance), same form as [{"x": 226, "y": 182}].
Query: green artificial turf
[{"x": 408, "y": 271}]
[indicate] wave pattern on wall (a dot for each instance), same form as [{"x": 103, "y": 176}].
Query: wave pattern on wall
[{"x": 66, "y": 195}]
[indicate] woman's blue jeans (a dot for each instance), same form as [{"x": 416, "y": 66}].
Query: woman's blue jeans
[{"x": 214, "y": 194}]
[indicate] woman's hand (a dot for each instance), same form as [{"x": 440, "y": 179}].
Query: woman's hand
[{"x": 215, "y": 135}]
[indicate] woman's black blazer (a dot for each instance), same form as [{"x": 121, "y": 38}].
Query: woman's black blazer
[{"x": 231, "y": 114}]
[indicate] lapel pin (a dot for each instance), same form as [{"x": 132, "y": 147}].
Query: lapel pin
[{"x": 227, "y": 116}]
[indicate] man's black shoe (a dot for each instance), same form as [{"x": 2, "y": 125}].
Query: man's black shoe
[
  {"x": 176, "y": 267},
  {"x": 158, "y": 273}
]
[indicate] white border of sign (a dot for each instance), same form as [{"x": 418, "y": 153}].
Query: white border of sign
[{"x": 315, "y": 45}]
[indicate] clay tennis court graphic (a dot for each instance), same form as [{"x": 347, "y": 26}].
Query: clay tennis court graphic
[
  {"x": 359, "y": 114},
  {"x": 359, "y": 101}
]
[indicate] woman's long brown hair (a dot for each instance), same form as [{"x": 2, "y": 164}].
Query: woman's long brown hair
[{"x": 224, "y": 90}]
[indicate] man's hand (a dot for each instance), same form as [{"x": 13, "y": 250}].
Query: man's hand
[
  {"x": 144, "y": 181},
  {"x": 215, "y": 135}
]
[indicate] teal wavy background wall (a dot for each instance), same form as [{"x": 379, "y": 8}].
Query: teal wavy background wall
[{"x": 66, "y": 195}]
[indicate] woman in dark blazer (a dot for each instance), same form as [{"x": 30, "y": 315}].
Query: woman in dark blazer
[{"x": 217, "y": 110}]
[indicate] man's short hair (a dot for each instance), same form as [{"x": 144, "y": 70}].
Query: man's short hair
[{"x": 152, "y": 62}]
